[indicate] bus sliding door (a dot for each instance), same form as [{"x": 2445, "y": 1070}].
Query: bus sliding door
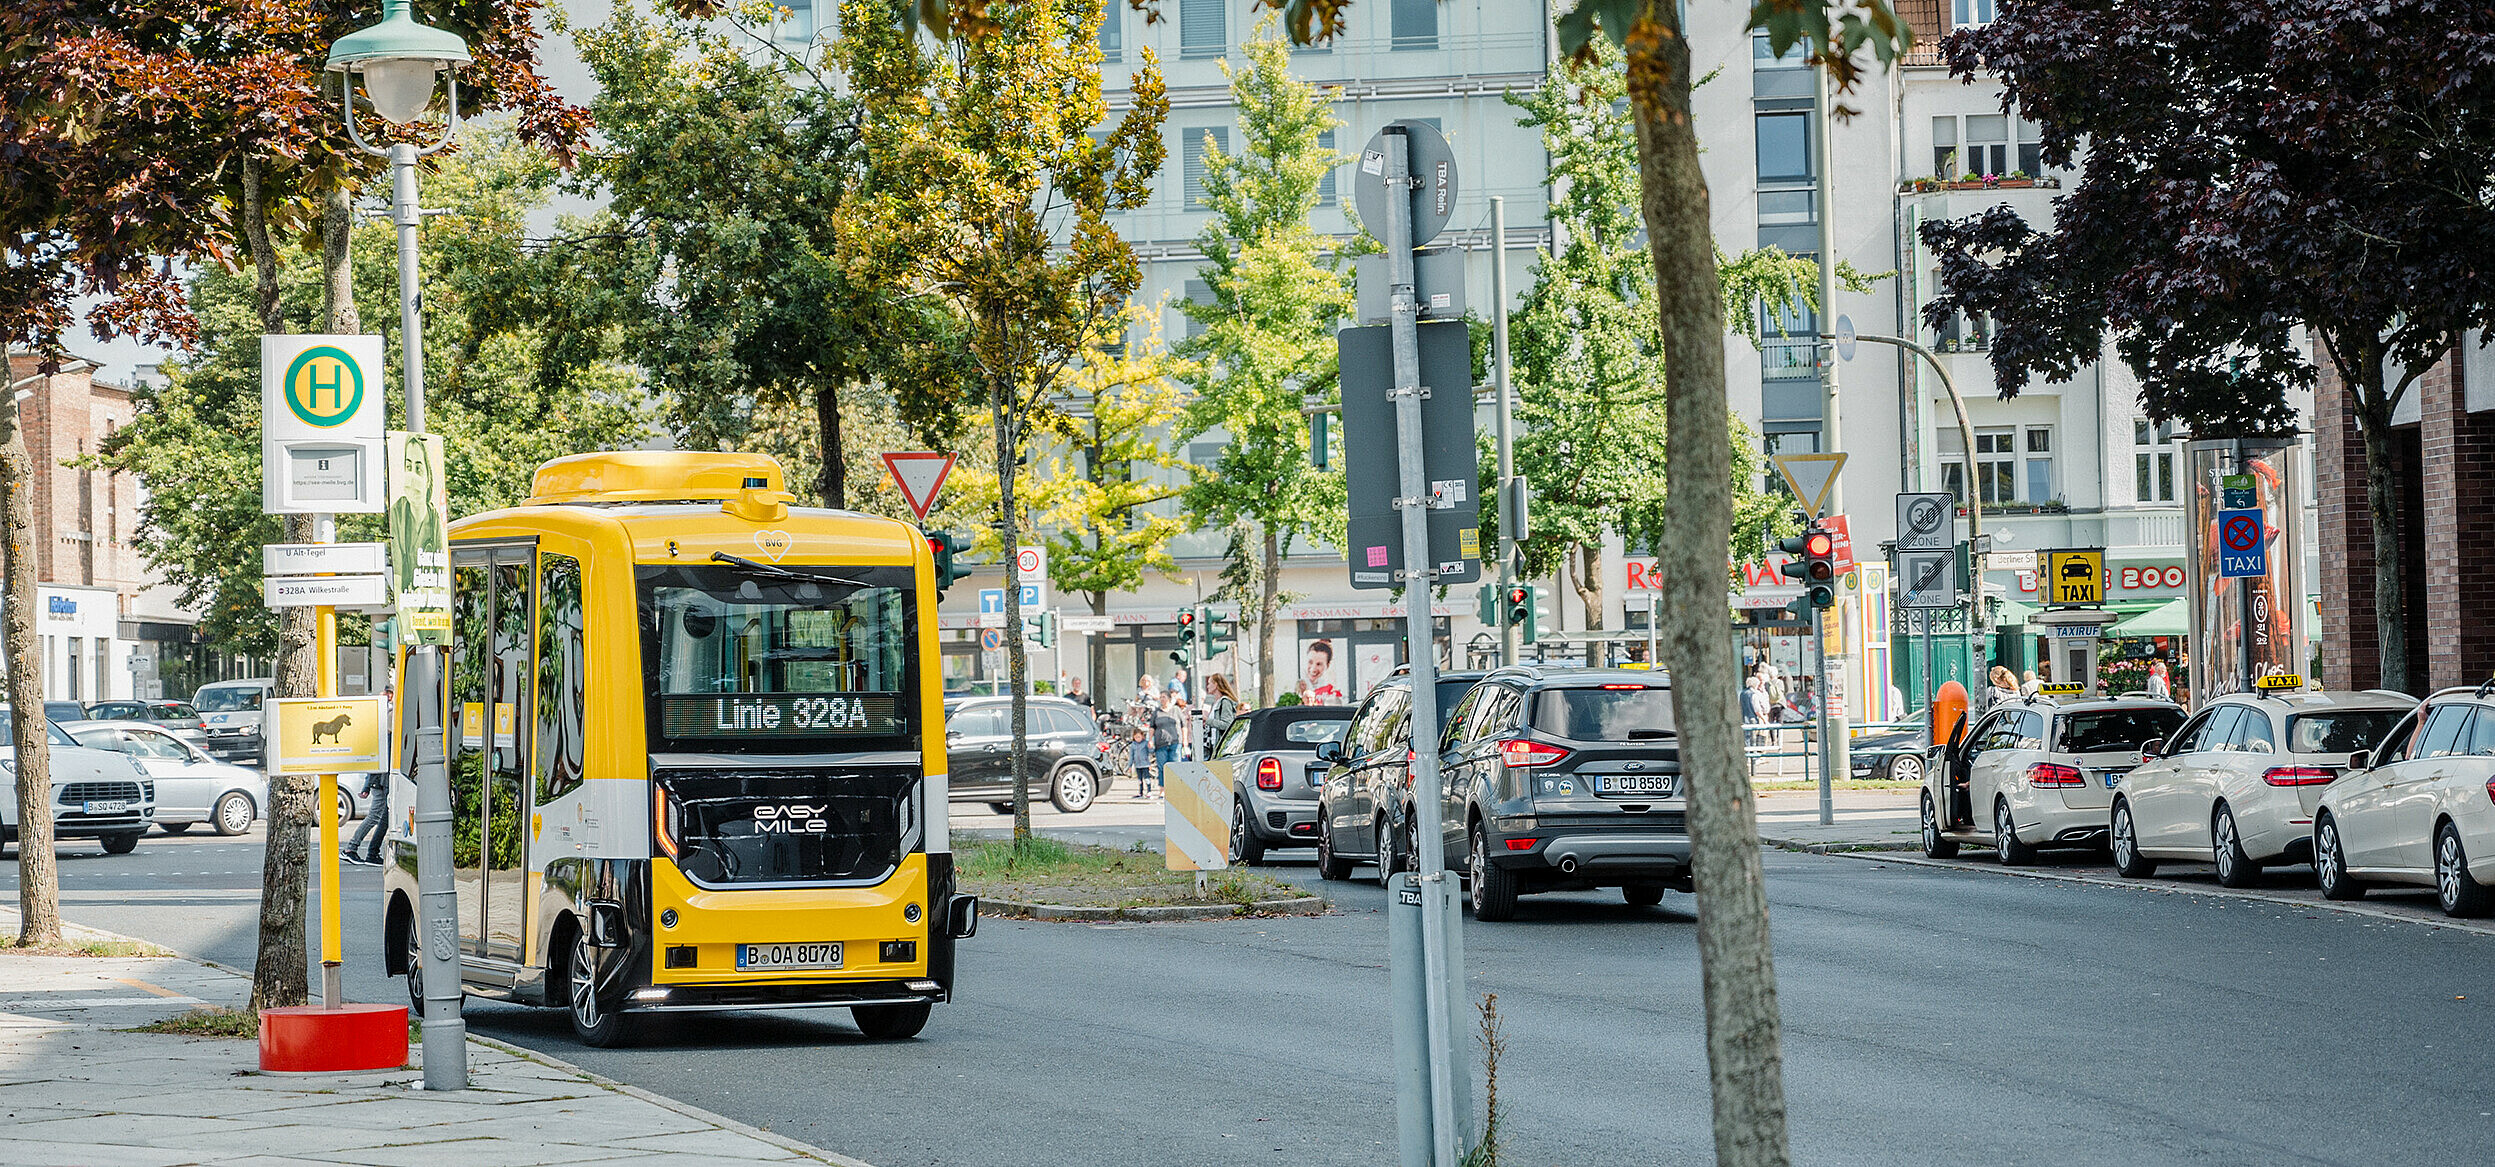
[{"x": 489, "y": 704}]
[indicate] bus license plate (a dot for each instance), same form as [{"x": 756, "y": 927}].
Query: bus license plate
[
  {"x": 1636, "y": 784},
  {"x": 787, "y": 956},
  {"x": 106, "y": 806}
]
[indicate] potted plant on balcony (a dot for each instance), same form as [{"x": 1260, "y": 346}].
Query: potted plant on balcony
[{"x": 2018, "y": 178}]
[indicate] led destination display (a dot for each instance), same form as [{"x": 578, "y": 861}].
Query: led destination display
[{"x": 780, "y": 715}]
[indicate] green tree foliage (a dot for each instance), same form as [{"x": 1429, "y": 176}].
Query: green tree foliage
[
  {"x": 988, "y": 197},
  {"x": 196, "y": 442},
  {"x": 1277, "y": 292},
  {"x": 1588, "y": 346}
]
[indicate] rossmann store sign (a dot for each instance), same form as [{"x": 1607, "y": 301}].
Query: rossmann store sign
[{"x": 1762, "y": 585}]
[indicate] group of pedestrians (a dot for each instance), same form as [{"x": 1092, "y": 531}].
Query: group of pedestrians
[{"x": 1769, "y": 702}]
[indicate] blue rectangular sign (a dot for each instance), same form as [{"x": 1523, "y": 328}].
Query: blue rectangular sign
[
  {"x": 1030, "y": 598},
  {"x": 2243, "y": 544},
  {"x": 991, "y": 601}
]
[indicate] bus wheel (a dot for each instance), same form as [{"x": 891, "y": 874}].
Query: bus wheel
[
  {"x": 592, "y": 1021},
  {"x": 890, "y": 1022}
]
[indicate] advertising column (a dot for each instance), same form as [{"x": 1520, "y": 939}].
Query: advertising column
[{"x": 2244, "y": 555}]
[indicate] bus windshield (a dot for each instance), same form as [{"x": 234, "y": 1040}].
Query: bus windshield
[{"x": 761, "y": 656}]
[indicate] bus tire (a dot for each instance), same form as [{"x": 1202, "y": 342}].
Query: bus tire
[
  {"x": 594, "y": 1022},
  {"x": 1074, "y": 789},
  {"x": 890, "y": 1022}
]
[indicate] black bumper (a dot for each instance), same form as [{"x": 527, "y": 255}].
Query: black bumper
[
  {"x": 846, "y": 994},
  {"x": 1606, "y": 856}
]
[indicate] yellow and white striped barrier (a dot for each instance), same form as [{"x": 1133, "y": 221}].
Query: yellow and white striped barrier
[{"x": 1195, "y": 819}]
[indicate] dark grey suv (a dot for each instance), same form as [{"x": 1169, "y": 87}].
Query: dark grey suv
[
  {"x": 1365, "y": 798},
  {"x": 1060, "y": 739},
  {"x": 1564, "y": 779}
]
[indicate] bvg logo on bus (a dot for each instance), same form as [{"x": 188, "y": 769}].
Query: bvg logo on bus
[
  {"x": 324, "y": 386},
  {"x": 795, "y": 818}
]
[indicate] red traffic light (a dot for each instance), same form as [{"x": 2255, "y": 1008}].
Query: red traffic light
[
  {"x": 1819, "y": 543},
  {"x": 1186, "y": 617},
  {"x": 1516, "y": 595}
]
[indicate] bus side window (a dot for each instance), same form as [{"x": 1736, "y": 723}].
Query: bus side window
[
  {"x": 561, "y": 677},
  {"x": 470, "y": 643}
]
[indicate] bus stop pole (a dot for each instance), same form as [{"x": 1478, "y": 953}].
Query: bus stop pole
[{"x": 437, "y": 899}]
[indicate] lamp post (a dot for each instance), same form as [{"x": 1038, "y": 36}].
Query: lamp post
[{"x": 399, "y": 63}]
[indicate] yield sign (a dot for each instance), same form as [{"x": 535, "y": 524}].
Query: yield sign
[
  {"x": 919, "y": 474},
  {"x": 1810, "y": 475}
]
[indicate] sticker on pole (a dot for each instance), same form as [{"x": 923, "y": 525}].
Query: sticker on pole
[
  {"x": 328, "y": 735},
  {"x": 919, "y": 474},
  {"x": 1845, "y": 338},
  {"x": 2243, "y": 549}
]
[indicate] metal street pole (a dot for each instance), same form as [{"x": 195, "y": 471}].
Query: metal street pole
[
  {"x": 1832, "y": 717},
  {"x": 437, "y": 899},
  {"x": 1511, "y": 528},
  {"x": 1413, "y": 501}
]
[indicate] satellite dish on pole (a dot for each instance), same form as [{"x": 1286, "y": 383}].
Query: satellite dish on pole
[{"x": 1430, "y": 162}]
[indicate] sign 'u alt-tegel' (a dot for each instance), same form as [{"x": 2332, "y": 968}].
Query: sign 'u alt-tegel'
[{"x": 320, "y": 427}]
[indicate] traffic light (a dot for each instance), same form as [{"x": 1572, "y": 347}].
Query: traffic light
[
  {"x": 1812, "y": 559},
  {"x": 1486, "y": 604},
  {"x": 1524, "y": 610},
  {"x": 1184, "y": 655},
  {"x": 1219, "y": 632},
  {"x": 944, "y": 545},
  {"x": 1041, "y": 629}
]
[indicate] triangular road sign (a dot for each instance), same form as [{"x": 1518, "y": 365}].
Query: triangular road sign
[
  {"x": 1810, "y": 475},
  {"x": 919, "y": 474}
]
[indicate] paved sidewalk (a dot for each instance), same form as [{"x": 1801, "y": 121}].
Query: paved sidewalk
[
  {"x": 1865, "y": 820},
  {"x": 76, "y": 1089}
]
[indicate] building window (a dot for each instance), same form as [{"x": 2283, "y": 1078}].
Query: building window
[
  {"x": 1786, "y": 442},
  {"x": 1193, "y": 156},
  {"x": 1112, "y": 31},
  {"x": 1763, "y": 55},
  {"x": 1984, "y": 146},
  {"x": 1203, "y": 29},
  {"x": 2039, "y": 455},
  {"x": 1198, "y": 292},
  {"x": 1787, "y": 208},
  {"x": 2152, "y": 461},
  {"x": 1325, "y": 186},
  {"x": 1996, "y": 465},
  {"x": 1784, "y": 147},
  {"x": 1987, "y": 143},
  {"x": 2031, "y": 147},
  {"x": 1414, "y": 24},
  {"x": 797, "y": 26},
  {"x": 1970, "y": 13}
]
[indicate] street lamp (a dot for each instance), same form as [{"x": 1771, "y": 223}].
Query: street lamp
[{"x": 399, "y": 61}]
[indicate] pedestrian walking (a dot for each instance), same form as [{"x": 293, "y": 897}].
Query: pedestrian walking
[
  {"x": 2005, "y": 685},
  {"x": 1178, "y": 683},
  {"x": 376, "y": 822},
  {"x": 2158, "y": 685},
  {"x": 1164, "y": 747},
  {"x": 1224, "y": 710},
  {"x": 1075, "y": 693},
  {"x": 1754, "y": 710}
]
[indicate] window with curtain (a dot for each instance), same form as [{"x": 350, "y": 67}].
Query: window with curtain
[
  {"x": 1203, "y": 29},
  {"x": 1192, "y": 161},
  {"x": 1325, "y": 186}
]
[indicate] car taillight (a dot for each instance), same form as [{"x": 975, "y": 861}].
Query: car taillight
[
  {"x": 1269, "y": 774},
  {"x": 2052, "y": 774},
  {"x": 1527, "y": 754},
  {"x": 2297, "y": 776},
  {"x": 660, "y": 812}
]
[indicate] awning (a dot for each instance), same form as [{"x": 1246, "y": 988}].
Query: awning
[
  {"x": 2172, "y": 618},
  {"x": 2014, "y": 612}
]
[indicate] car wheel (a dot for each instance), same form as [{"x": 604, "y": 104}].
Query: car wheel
[
  {"x": 2123, "y": 839},
  {"x": 1493, "y": 889},
  {"x": 1642, "y": 895},
  {"x": 2460, "y": 893},
  {"x": 1329, "y": 866},
  {"x": 1387, "y": 861},
  {"x": 1001, "y": 807},
  {"x": 2330, "y": 863},
  {"x": 1934, "y": 846},
  {"x": 2006, "y": 845},
  {"x": 123, "y": 843},
  {"x": 1074, "y": 790},
  {"x": 414, "y": 956},
  {"x": 2226, "y": 850},
  {"x": 1245, "y": 848},
  {"x": 234, "y": 813},
  {"x": 592, "y": 1021},
  {"x": 173, "y": 828},
  {"x": 1906, "y": 768},
  {"x": 346, "y": 807},
  {"x": 890, "y": 1022}
]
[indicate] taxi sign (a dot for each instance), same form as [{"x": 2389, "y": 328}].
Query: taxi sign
[
  {"x": 328, "y": 735},
  {"x": 2279, "y": 681},
  {"x": 2074, "y": 577},
  {"x": 2061, "y": 689}
]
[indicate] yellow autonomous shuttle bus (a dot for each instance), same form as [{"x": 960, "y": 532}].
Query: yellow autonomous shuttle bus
[{"x": 695, "y": 741}]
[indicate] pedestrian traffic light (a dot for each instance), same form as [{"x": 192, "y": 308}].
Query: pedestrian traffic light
[
  {"x": 1184, "y": 655},
  {"x": 1219, "y": 632},
  {"x": 1524, "y": 610},
  {"x": 944, "y": 545},
  {"x": 1819, "y": 579}
]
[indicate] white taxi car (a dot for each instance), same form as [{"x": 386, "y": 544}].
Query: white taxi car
[
  {"x": 2238, "y": 784},
  {"x": 2418, "y": 809},
  {"x": 2033, "y": 773}
]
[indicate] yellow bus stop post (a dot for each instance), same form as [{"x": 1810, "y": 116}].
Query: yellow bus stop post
[{"x": 333, "y": 958}]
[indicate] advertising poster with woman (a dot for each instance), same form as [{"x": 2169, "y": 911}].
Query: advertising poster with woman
[
  {"x": 419, "y": 534},
  {"x": 1318, "y": 685}
]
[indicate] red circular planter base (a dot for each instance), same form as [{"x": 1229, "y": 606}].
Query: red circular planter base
[{"x": 312, "y": 1040}]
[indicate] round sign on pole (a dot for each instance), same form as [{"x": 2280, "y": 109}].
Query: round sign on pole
[
  {"x": 1845, "y": 338},
  {"x": 1027, "y": 560},
  {"x": 1430, "y": 162}
]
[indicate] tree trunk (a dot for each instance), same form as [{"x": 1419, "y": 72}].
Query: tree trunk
[
  {"x": 1096, "y": 652},
  {"x": 263, "y": 252},
  {"x": 1589, "y": 585},
  {"x": 834, "y": 482},
  {"x": 1017, "y": 661},
  {"x": 1268, "y": 616},
  {"x": 281, "y": 974},
  {"x": 2382, "y": 502},
  {"x": 38, "y": 873},
  {"x": 1744, "y": 1054}
]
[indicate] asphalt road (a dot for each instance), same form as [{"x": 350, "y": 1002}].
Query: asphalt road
[{"x": 1930, "y": 1015}]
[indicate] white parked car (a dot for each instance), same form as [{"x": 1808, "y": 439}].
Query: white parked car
[
  {"x": 2033, "y": 773},
  {"x": 2419, "y": 809},
  {"x": 191, "y": 787},
  {"x": 2238, "y": 784},
  {"x": 96, "y": 794}
]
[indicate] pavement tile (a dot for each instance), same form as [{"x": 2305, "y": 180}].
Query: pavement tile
[
  {"x": 676, "y": 1160},
  {"x": 25, "y": 1152},
  {"x": 296, "y": 1138},
  {"x": 715, "y": 1143},
  {"x": 127, "y": 1129},
  {"x": 607, "y": 1124},
  {"x": 479, "y": 1152}
]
